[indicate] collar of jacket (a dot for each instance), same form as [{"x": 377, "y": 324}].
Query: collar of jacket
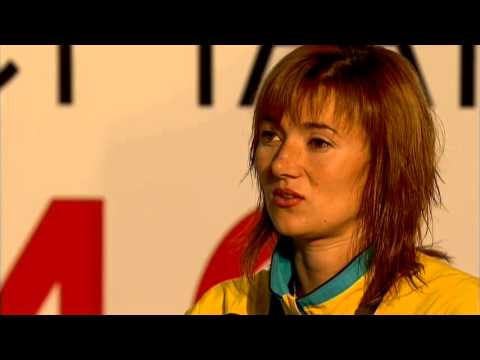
[{"x": 282, "y": 270}]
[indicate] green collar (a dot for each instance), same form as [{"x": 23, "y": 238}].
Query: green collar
[{"x": 282, "y": 269}]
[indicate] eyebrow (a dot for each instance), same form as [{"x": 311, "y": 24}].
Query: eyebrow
[
  {"x": 316, "y": 125},
  {"x": 307, "y": 125}
]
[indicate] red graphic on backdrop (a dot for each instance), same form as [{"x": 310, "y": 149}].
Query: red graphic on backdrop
[
  {"x": 65, "y": 249},
  {"x": 225, "y": 261}
]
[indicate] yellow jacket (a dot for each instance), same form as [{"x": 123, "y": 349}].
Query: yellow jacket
[{"x": 447, "y": 291}]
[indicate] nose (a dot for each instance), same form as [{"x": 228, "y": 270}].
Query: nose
[{"x": 287, "y": 161}]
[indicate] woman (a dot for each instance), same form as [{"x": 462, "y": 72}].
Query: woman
[{"x": 344, "y": 148}]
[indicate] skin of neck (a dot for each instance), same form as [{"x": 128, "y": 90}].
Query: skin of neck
[{"x": 317, "y": 261}]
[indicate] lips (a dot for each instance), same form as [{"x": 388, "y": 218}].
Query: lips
[{"x": 286, "y": 198}]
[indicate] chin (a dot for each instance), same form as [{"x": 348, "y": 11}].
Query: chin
[
  {"x": 296, "y": 229},
  {"x": 288, "y": 228}
]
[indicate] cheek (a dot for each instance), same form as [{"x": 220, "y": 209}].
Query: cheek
[
  {"x": 339, "y": 184},
  {"x": 262, "y": 161},
  {"x": 327, "y": 177}
]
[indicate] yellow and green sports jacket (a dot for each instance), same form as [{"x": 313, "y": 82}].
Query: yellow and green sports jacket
[{"x": 447, "y": 291}]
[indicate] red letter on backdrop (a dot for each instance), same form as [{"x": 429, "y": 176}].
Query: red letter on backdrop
[
  {"x": 224, "y": 264},
  {"x": 65, "y": 248}
]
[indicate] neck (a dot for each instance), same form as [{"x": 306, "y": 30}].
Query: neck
[{"x": 319, "y": 260}]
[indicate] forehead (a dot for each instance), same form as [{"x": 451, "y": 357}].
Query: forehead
[{"x": 313, "y": 113}]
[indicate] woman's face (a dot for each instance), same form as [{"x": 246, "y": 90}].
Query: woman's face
[{"x": 312, "y": 174}]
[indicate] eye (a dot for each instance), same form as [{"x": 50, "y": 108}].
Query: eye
[
  {"x": 268, "y": 136},
  {"x": 319, "y": 144}
]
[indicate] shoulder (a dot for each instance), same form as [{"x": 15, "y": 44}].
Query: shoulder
[
  {"x": 437, "y": 272},
  {"x": 236, "y": 296},
  {"x": 443, "y": 289}
]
